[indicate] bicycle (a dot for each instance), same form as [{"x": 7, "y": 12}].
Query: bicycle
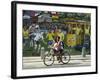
[{"x": 49, "y": 57}]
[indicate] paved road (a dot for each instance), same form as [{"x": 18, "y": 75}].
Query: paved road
[{"x": 37, "y": 62}]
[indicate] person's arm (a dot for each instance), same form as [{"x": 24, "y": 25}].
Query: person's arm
[
  {"x": 29, "y": 28},
  {"x": 62, "y": 36},
  {"x": 47, "y": 35},
  {"x": 59, "y": 43},
  {"x": 31, "y": 34},
  {"x": 41, "y": 36},
  {"x": 55, "y": 45}
]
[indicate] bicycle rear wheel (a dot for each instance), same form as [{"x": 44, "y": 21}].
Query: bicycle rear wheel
[
  {"x": 48, "y": 59},
  {"x": 65, "y": 58}
]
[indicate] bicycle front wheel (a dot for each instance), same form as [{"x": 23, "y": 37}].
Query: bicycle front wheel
[
  {"x": 65, "y": 58},
  {"x": 48, "y": 59}
]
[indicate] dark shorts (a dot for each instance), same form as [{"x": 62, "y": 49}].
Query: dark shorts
[{"x": 56, "y": 51}]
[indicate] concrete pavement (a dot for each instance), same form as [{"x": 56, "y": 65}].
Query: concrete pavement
[{"x": 37, "y": 62}]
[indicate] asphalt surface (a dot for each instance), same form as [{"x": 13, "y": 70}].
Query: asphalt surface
[{"x": 37, "y": 62}]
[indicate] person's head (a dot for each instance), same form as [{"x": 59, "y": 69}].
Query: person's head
[
  {"x": 49, "y": 31},
  {"x": 57, "y": 38},
  {"x": 25, "y": 28},
  {"x": 59, "y": 30},
  {"x": 52, "y": 31}
]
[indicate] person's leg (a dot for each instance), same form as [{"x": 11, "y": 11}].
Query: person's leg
[
  {"x": 84, "y": 46},
  {"x": 55, "y": 53},
  {"x": 30, "y": 41},
  {"x": 26, "y": 43},
  {"x": 61, "y": 51},
  {"x": 79, "y": 39},
  {"x": 37, "y": 48},
  {"x": 23, "y": 42},
  {"x": 60, "y": 54},
  {"x": 33, "y": 41}
]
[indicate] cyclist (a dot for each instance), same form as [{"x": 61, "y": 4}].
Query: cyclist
[{"x": 58, "y": 48}]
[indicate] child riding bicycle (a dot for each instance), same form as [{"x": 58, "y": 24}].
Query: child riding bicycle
[{"x": 58, "y": 47}]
